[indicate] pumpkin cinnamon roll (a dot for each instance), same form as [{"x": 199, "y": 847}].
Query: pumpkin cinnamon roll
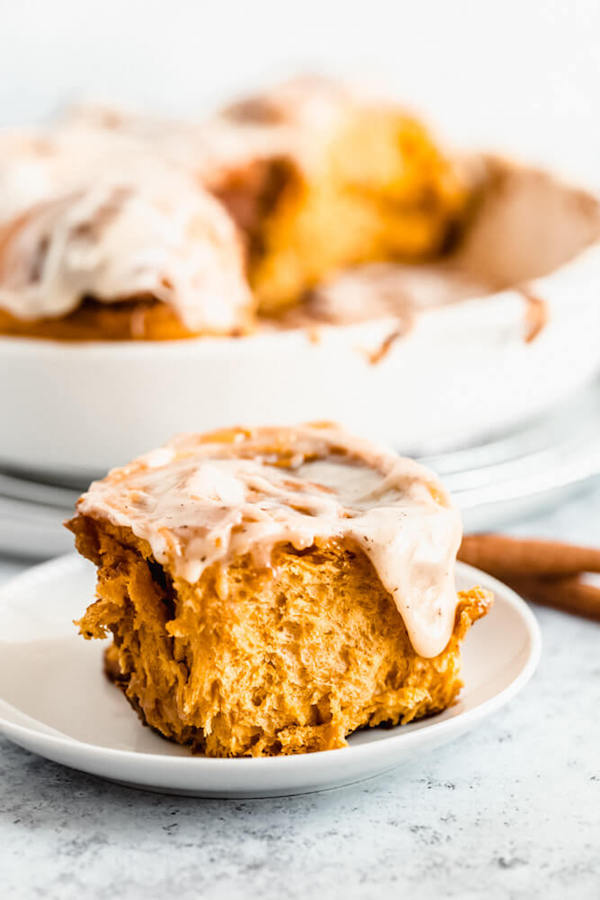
[
  {"x": 271, "y": 590},
  {"x": 114, "y": 261}
]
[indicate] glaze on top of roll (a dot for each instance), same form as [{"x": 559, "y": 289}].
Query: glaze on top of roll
[
  {"x": 288, "y": 120},
  {"x": 40, "y": 165},
  {"x": 162, "y": 237},
  {"x": 203, "y": 499},
  {"x": 27, "y": 171}
]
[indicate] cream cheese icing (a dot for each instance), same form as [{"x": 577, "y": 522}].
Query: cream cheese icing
[
  {"x": 163, "y": 237},
  {"x": 39, "y": 165},
  {"x": 202, "y": 500},
  {"x": 290, "y": 120},
  {"x": 28, "y": 163}
]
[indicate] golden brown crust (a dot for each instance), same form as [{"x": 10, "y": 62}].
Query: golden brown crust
[
  {"x": 129, "y": 320},
  {"x": 252, "y": 193},
  {"x": 248, "y": 663},
  {"x": 381, "y": 191}
]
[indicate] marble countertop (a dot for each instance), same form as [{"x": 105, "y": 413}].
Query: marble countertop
[{"x": 509, "y": 811}]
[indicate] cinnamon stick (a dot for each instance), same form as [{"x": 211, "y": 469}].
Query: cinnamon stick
[
  {"x": 568, "y": 594},
  {"x": 507, "y": 557}
]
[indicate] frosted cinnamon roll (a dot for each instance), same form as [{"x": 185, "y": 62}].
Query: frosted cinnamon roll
[
  {"x": 153, "y": 259},
  {"x": 349, "y": 179},
  {"x": 318, "y": 177},
  {"x": 271, "y": 590}
]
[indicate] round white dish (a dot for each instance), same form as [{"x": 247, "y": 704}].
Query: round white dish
[
  {"x": 463, "y": 371},
  {"x": 64, "y": 709}
]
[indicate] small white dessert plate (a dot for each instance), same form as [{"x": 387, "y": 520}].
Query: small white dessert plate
[{"x": 55, "y": 701}]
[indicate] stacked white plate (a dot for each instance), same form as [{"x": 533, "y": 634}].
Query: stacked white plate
[{"x": 492, "y": 481}]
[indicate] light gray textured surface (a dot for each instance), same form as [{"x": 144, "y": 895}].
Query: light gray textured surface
[{"x": 510, "y": 811}]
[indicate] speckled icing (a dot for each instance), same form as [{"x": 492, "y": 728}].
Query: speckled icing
[{"x": 203, "y": 500}]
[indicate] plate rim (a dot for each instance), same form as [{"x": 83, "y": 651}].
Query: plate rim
[{"x": 293, "y": 762}]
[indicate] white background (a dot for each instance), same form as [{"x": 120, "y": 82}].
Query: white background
[{"x": 521, "y": 75}]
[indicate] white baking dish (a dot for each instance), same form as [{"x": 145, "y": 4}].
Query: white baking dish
[{"x": 462, "y": 372}]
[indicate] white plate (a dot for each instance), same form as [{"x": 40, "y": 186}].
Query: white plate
[{"x": 55, "y": 701}]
